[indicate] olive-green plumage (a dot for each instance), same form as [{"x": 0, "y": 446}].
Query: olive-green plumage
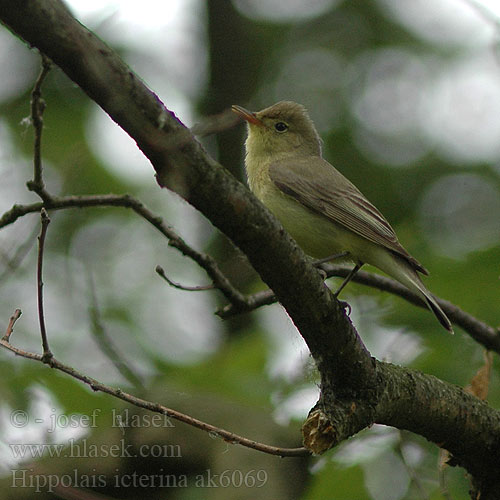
[{"x": 322, "y": 210}]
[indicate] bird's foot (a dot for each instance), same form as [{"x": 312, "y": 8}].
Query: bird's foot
[
  {"x": 322, "y": 273},
  {"x": 346, "y": 306}
]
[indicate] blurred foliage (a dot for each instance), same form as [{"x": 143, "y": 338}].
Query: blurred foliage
[{"x": 376, "y": 79}]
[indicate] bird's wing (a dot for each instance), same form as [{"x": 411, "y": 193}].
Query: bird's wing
[{"x": 319, "y": 186}]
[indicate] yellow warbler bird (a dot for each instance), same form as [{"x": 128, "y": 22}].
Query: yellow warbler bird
[{"x": 322, "y": 210}]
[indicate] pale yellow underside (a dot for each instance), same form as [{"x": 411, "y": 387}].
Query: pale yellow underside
[{"x": 321, "y": 237}]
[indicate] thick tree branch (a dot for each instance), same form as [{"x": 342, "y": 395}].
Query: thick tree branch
[
  {"x": 356, "y": 389},
  {"x": 454, "y": 419}
]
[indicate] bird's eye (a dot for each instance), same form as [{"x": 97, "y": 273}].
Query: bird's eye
[{"x": 281, "y": 127}]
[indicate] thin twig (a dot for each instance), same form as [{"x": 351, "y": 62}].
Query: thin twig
[
  {"x": 481, "y": 332},
  {"x": 198, "y": 288},
  {"x": 105, "y": 342},
  {"x": 252, "y": 302},
  {"x": 210, "y": 266},
  {"x": 95, "y": 385},
  {"x": 37, "y": 108},
  {"x": 485, "y": 334},
  {"x": 47, "y": 354},
  {"x": 10, "y": 326},
  {"x": 205, "y": 261}
]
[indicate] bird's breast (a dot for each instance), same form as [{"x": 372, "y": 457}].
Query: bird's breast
[{"x": 316, "y": 234}]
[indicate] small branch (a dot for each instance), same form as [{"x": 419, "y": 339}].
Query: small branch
[
  {"x": 47, "y": 354},
  {"x": 37, "y": 108},
  {"x": 481, "y": 332},
  {"x": 252, "y": 302},
  {"x": 205, "y": 261},
  {"x": 105, "y": 342},
  {"x": 95, "y": 385},
  {"x": 210, "y": 266},
  {"x": 198, "y": 288},
  {"x": 18, "y": 211},
  {"x": 10, "y": 326}
]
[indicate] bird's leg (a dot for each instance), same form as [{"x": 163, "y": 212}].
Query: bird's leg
[
  {"x": 319, "y": 262},
  {"x": 335, "y": 256},
  {"x": 348, "y": 278}
]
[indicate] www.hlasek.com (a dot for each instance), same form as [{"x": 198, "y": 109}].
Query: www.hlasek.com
[
  {"x": 83, "y": 449},
  {"x": 27, "y": 478}
]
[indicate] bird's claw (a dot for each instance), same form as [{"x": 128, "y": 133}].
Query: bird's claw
[
  {"x": 322, "y": 273},
  {"x": 346, "y": 306}
]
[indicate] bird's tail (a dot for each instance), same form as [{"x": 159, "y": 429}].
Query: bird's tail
[
  {"x": 402, "y": 271},
  {"x": 438, "y": 312}
]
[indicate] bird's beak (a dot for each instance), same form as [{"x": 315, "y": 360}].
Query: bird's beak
[{"x": 246, "y": 115}]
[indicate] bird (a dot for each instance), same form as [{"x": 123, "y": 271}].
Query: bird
[{"x": 320, "y": 208}]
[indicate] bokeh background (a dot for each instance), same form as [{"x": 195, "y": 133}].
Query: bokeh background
[{"x": 406, "y": 96}]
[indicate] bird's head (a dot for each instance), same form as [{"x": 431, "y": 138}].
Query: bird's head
[{"x": 283, "y": 129}]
